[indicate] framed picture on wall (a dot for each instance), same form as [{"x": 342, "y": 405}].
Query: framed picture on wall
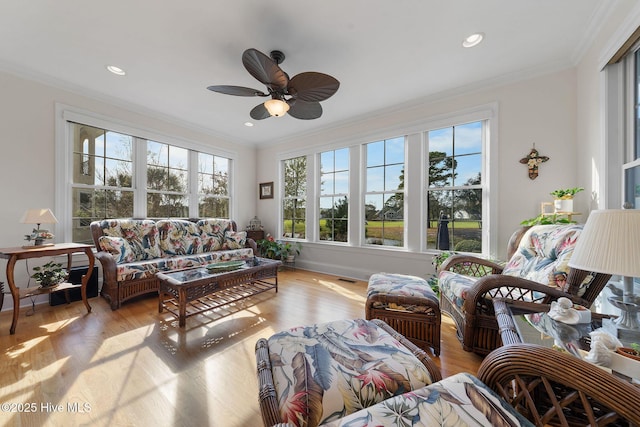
[{"x": 266, "y": 190}]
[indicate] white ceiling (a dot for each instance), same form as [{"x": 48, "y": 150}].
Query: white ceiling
[{"x": 384, "y": 53}]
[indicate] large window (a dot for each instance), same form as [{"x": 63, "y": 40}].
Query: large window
[
  {"x": 384, "y": 195},
  {"x": 334, "y": 195},
  {"x": 116, "y": 175},
  {"x": 454, "y": 188},
  {"x": 103, "y": 173},
  {"x": 294, "y": 198}
]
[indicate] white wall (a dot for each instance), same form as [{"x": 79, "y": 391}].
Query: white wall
[
  {"x": 540, "y": 110},
  {"x": 27, "y": 155}
]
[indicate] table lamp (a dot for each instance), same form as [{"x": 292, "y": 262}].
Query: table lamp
[
  {"x": 38, "y": 216},
  {"x": 610, "y": 244}
]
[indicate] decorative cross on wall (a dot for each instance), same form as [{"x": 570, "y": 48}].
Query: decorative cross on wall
[{"x": 532, "y": 161}]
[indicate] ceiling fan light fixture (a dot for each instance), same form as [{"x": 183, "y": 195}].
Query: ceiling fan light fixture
[
  {"x": 473, "y": 40},
  {"x": 276, "y": 107}
]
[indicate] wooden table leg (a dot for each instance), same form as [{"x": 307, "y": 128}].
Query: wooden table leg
[
  {"x": 85, "y": 279},
  {"x": 15, "y": 293}
]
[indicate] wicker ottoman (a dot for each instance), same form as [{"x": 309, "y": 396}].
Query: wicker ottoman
[{"x": 408, "y": 305}]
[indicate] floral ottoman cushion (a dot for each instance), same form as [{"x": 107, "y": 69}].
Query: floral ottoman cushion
[
  {"x": 459, "y": 400},
  {"x": 326, "y": 371}
]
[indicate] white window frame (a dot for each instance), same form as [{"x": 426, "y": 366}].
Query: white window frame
[{"x": 64, "y": 162}]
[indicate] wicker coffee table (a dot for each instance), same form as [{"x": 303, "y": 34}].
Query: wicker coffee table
[{"x": 192, "y": 291}]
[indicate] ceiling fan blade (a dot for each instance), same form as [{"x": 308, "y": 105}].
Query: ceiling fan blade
[
  {"x": 311, "y": 86},
  {"x": 259, "y": 112},
  {"x": 265, "y": 69},
  {"x": 237, "y": 90},
  {"x": 305, "y": 110}
]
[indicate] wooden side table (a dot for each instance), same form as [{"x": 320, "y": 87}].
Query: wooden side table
[
  {"x": 18, "y": 253},
  {"x": 255, "y": 234}
]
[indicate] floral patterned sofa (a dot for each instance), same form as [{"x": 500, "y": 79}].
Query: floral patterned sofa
[{"x": 132, "y": 251}]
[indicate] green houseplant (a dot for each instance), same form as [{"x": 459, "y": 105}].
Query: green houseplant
[
  {"x": 50, "y": 274},
  {"x": 288, "y": 250},
  {"x": 563, "y": 198}
]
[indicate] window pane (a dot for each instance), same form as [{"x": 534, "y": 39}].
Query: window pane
[
  {"x": 327, "y": 162},
  {"x": 205, "y": 163},
  {"x": 342, "y": 159},
  {"x": 393, "y": 176},
  {"x": 295, "y": 177},
  {"x": 157, "y": 154},
  {"x": 327, "y": 184},
  {"x": 178, "y": 157},
  {"x": 342, "y": 182},
  {"x": 118, "y": 146},
  {"x": 166, "y": 205},
  {"x": 375, "y": 154},
  {"x": 468, "y": 169},
  {"x": 441, "y": 141},
  {"x": 375, "y": 179},
  {"x": 213, "y": 207},
  {"x": 394, "y": 150},
  {"x": 468, "y": 138}
]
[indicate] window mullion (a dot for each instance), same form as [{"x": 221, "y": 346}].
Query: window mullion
[{"x": 140, "y": 178}]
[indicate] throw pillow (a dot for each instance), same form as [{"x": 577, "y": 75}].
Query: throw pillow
[
  {"x": 118, "y": 247},
  {"x": 234, "y": 239}
]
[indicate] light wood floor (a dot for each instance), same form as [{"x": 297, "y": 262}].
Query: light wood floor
[{"x": 135, "y": 367}]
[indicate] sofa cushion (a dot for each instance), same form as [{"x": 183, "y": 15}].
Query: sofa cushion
[
  {"x": 458, "y": 400},
  {"x": 141, "y": 234},
  {"x": 543, "y": 253},
  {"x": 326, "y": 371},
  {"x": 213, "y": 232},
  {"x": 147, "y": 269},
  {"x": 234, "y": 239},
  {"x": 118, "y": 247},
  {"x": 179, "y": 237}
]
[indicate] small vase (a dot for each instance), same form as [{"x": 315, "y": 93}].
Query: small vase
[{"x": 39, "y": 241}]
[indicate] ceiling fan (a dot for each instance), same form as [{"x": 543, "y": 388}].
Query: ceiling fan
[{"x": 300, "y": 95}]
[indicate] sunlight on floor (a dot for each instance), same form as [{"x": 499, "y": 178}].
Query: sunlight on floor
[{"x": 342, "y": 290}]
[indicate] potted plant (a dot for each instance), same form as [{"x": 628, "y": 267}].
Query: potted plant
[
  {"x": 49, "y": 274},
  {"x": 632, "y": 352},
  {"x": 289, "y": 250},
  {"x": 563, "y": 198},
  {"x": 269, "y": 248},
  {"x": 545, "y": 219}
]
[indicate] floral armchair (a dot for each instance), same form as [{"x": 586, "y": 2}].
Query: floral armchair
[{"x": 537, "y": 271}]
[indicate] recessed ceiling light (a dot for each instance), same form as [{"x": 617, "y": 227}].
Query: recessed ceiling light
[
  {"x": 116, "y": 70},
  {"x": 248, "y": 124},
  {"x": 473, "y": 40}
]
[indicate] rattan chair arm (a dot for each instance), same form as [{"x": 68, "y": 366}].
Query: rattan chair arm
[
  {"x": 460, "y": 259},
  {"x": 520, "y": 367},
  {"x": 481, "y": 290}
]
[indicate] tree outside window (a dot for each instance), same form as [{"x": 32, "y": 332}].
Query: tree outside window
[
  {"x": 334, "y": 189},
  {"x": 455, "y": 188},
  {"x": 384, "y": 196},
  {"x": 213, "y": 186},
  {"x": 167, "y": 180},
  {"x": 294, "y": 198}
]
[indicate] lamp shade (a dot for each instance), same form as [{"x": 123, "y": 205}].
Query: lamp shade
[
  {"x": 276, "y": 107},
  {"x": 609, "y": 243},
  {"x": 39, "y": 216}
]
